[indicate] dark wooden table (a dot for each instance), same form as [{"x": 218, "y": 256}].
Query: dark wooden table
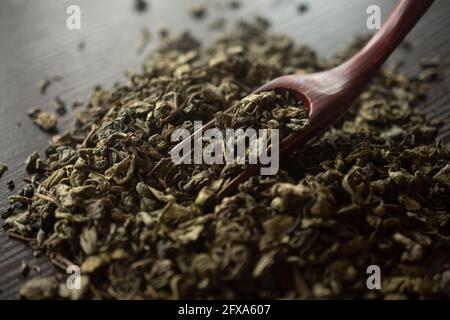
[{"x": 35, "y": 44}]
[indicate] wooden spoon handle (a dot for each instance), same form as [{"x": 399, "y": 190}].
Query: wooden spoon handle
[
  {"x": 361, "y": 67},
  {"x": 344, "y": 83}
]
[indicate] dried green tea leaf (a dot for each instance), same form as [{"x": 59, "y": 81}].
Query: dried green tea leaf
[
  {"x": 24, "y": 269},
  {"x": 40, "y": 288},
  {"x": 144, "y": 40},
  {"x": 302, "y": 8},
  {"x": 47, "y": 121},
  {"x": 198, "y": 11},
  {"x": 3, "y": 168},
  {"x": 140, "y": 5}
]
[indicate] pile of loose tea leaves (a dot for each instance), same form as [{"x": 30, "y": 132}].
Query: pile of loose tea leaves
[
  {"x": 372, "y": 190},
  {"x": 3, "y": 168},
  {"x": 267, "y": 110}
]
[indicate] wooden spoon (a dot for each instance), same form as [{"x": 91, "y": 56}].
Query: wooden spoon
[{"x": 329, "y": 94}]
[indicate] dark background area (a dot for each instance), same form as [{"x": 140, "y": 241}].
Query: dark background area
[{"x": 35, "y": 44}]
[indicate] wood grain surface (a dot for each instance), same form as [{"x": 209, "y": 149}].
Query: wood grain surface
[{"x": 35, "y": 44}]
